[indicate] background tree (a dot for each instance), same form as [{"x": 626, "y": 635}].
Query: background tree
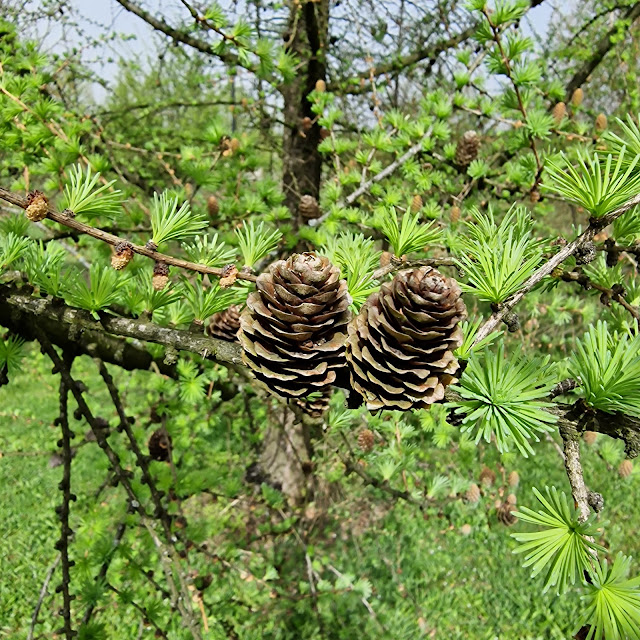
[{"x": 253, "y": 494}]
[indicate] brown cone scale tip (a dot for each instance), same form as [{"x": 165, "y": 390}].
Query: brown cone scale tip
[{"x": 400, "y": 346}]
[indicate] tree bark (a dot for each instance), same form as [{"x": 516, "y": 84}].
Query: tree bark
[{"x": 306, "y": 37}]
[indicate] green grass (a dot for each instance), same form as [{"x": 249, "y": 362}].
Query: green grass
[{"x": 428, "y": 579}]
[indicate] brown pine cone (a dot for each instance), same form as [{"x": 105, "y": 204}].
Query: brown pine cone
[
  {"x": 487, "y": 477},
  {"x": 590, "y": 437},
  {"x": 293, "y": 328},
  {"x": 514, "y": 479},
  {"x": 400, "y": 346},
  {"x": 308, "y": 208},
  {"x": 601, "y": 122},
  {"x": 473, "y": 493},
  {"x": 625, "y": 469},
  {"x": 160, "y": 444},
  {"x": 416, "y": 203},
  {"x": 505, "y": 514},
  {"x": 315, "y": 405},
  {"x": 213, "y": 206},
  {"x": 559, "y": 112},
  {"x": 366, "y": 440},
  {"x": 467, "y": 149},
  {"x": 577, "y": 97},
  {"x": 225, "y": 324}
]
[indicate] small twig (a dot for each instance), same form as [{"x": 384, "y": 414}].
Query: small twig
[
  {"x": 43, "y": 594},
  {"x": 113, "y": 240},
  {"x": 386, "y": 172},
  {"x": 596, "y": 224}
]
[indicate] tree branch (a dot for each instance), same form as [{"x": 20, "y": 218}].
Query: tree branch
[
  {"x": 109, "y": 238},
  {"x": 604, "y": 45},
  {"x": 78, "y": 321},
  {"x": 595, "y": 225}
]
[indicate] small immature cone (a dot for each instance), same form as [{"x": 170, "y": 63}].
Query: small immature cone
[
  {"x": 122, "y": 255},
  {"x": 37, "y": 206},
  {"x": 590, "y": 437},
  {"x": 366, "y": 440},
  {"x": 467, "y": 149},
  {"x": 577, "y": 97},
  {"x": 487, "y": 477},
  {"x": 455, "y": 214},
  {"x": 601, "y": 122},
  {"x": 321, "y": 86},
  {"x": 466, "y": 529},
  {"x": 625, "y": 469},
  {"x": 512, "y": 499},
  {"x": 229, "y": 276},
  {"x": 559, "y": 112},
  {"x": 308, "y": 208},
  {"x": 416, "y": 203},
  {"x": 473, "y": 493},
  {"x": 160, "y": 444},
  {"x": 160, "y": 276},
  {"x": 293, "y": 328},
  {"x": 224, "y": 325},
  {"x": 400, "y": 346},
  {"x": 514, "y": 479},
  {"x": 505, "y": 516},
  {"x": 213, "y": 206}
]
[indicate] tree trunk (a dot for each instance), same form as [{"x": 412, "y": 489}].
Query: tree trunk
[{"x": 306, "y": 37}]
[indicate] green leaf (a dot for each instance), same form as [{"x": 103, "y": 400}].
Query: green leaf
[
  {"x": 562, "y": 545},
  {"x": 502, "y": 398},
  {"x": 608, "y": 368},
  {"x": 357, "y": 258},
  {"x": 102, "y": 290},
  {"x": 209, "y": 251},
  {"x": 205, "y": 301},
  {"x": 498, "y": 259},
  {"x": 408, "y": 235},
  {"x": 469, "y": 330},
  {"x": 172, "y": 223},
  {"x": 599, "y": 187},
  {"x": 83, "y": 198},
  {"x": 256, "y": 242},
  {"x": 11, "y": 354},
  {"x": 613, "y": 601}
]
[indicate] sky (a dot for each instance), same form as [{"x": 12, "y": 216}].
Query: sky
[{"x": 95, "y": 15}]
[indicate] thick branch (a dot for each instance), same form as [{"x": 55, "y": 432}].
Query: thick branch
[
  {"x": 573, "y": 468},
  {"x": 79, "y": 321},
  {"x": 22, "y": 320}
]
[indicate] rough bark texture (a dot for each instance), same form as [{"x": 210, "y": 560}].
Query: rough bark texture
[
  {"x": 306, "y": 35},
  {"x": 285, "y": 456}
]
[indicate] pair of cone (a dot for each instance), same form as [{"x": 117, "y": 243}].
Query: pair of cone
[{"x": 298, "y": 334}]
